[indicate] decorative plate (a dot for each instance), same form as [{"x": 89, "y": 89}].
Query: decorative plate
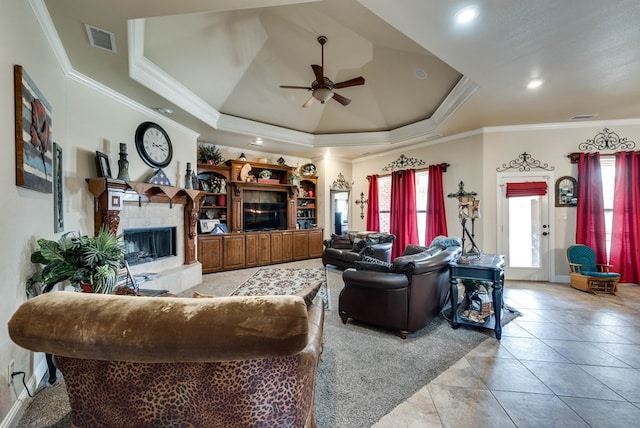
[
  {"x": 244, "y": 172},
  {"x": 308, "y": 170}
]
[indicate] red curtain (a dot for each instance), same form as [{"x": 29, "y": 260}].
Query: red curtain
[
  {"x": 528, "y": 188},
  {"x": 590, "y": 229},
  {"x": 436, "y": 215},
  {"x": 404, "y": 216},
  {"x": 625, "y": 236},
  {"x": 373, "y": 206}
]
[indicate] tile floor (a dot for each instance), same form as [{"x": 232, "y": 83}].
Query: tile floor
[{"x": 571, "y": 360}]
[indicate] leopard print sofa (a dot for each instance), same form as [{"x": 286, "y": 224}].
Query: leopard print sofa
[{"x": 179, "y": 362}]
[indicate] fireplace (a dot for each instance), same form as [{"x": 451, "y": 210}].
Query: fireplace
[{"x": 144, "y": 245}]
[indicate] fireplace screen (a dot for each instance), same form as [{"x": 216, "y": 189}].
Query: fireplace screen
[{"x": 149, "y": 244}]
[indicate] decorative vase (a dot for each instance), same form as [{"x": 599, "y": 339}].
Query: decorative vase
[
  {"x": 123, "y": 163},
  {"x": 222, "y": 200}
]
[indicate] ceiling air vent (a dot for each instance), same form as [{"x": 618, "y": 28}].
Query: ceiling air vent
[
  {"x": 583, "y": 117},
  {"x": 101, "y": 38}
]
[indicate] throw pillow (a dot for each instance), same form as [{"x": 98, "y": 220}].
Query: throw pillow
[
  {"x": 359, "y": 245},
  {"x": 446, "y": 242},
  {"x": 341, "y": 242},
  {"x": 371, "y": 263},
  {"x": 413, "y": 249}
]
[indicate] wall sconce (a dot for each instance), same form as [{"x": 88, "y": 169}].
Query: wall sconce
[{"x": 362, "y": 202}]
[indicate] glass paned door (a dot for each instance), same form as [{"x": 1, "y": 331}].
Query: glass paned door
[{"x": 524, "y": 232}]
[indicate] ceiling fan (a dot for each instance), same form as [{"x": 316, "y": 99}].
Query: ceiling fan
[{"x": 322, "y": 88}]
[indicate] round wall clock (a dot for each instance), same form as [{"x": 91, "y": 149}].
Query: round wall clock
[{"x": 153, "y": 145}]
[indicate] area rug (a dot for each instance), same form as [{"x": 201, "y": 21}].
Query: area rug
[{"x": 279, "y": 281}]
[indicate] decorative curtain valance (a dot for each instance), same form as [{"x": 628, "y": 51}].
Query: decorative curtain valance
[{"x": 529, "y": 188}]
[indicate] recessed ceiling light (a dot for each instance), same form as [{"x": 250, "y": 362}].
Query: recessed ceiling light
[
  {"x": 583, "y": 117},
  {"x": 420, "y": 73},
  {"x": 466, "y": 15},
  {"x": 164, "y": 110},
  {"x": 535, "y": 83},
  {"x": 256, "y": 142}
]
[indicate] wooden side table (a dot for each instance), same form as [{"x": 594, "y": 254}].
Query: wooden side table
[{"x": 488, "y": 267}]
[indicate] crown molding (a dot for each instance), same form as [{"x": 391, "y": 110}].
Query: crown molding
[
  {"x": 157, "y": 80},
  {"x": 243, "y": 126},
  {"x": 46, "y": 24},
  {"x": 44, "y": 19},
  {"x": 562, "y": 125}
]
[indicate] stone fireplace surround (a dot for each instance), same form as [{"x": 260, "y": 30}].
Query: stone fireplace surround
[{"x": 130, "y": 205}]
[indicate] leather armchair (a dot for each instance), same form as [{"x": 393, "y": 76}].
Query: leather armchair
[
  {"x": 404, "y": 296},
  {"x": 344, "y": 250}
]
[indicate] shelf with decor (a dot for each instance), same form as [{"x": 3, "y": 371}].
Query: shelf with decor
[
  {"x": 260, "y": 173},
  {"x": 306, "y": 215},
  {"x": 213, "y": 180}
]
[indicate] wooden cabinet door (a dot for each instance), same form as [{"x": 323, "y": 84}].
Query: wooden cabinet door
[
  {"x": 300, "y": 245},
  {"x": 264, "y": 249},
  {"x": 287, "y": 246},
  {"x": 276, "y": 247},
  {"x": 210, "y": 253},
  {"x": 251, "y": 247},
  {"x": 233, "y": 248},
  {"x": 315, "y": 243}
]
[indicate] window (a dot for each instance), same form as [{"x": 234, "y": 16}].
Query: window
[
  {"x": 384, "y": 197},
  {"x": 608, "y": 170}
]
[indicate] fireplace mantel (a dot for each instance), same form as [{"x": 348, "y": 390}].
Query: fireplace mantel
[{"x": 110, "y": 194}]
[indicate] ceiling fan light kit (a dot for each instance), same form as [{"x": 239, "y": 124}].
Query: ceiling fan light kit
[{"x": 322, "y": 88}]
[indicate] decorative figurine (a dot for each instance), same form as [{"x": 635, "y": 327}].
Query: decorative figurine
[
  {"x": 188, "y": 177},
  {"x": 123, "y": 163}
]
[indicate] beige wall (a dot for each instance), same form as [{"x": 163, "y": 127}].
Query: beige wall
[{"x": 84, "y": 120}]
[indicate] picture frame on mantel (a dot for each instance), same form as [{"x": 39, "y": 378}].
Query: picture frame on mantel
[
  {"x": 102, "y": 165},
  {"x": 33, "y": 134},
  {"x": 58, "y": 189}
]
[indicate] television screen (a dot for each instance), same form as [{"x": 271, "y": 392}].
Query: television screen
[{"x": 265, "y": 216}]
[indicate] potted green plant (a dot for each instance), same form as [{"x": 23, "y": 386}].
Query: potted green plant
[
  {"x": 209, "y": 153},
  {"x": 91, "y": 264},
  {"x": 294, "y": 178}
]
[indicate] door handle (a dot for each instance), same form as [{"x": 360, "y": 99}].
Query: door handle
[{"x": 545, "y": 233}]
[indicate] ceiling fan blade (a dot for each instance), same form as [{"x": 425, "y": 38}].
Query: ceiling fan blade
[
  {"x": 295, "y": 87},
  {"x": 351, "y": 82},
  {"x": 342, "y": 100},
  {"x": 317, "y": 71},
  {"x": 309, "y": 102}
]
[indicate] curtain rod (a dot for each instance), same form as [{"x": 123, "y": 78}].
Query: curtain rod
[{"x": 443, "y": 166}]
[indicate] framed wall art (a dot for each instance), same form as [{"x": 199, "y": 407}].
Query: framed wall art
[
  {"x": 34, "y": 160},
  {"x": 102, "y": 165},
  {"x": 58, "y": 187}
]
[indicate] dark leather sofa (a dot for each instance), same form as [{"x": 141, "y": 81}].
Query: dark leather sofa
[
  {"x": 403, "y": 296},
  {"x": 344, "y": 250}
]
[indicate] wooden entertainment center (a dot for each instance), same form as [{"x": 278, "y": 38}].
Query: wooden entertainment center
[
  {"x": 221, "y": 195},
  {"x": 267, "y": 219}
]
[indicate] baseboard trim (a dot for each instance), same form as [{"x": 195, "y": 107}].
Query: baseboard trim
[{"x": 20, "y": 405}]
